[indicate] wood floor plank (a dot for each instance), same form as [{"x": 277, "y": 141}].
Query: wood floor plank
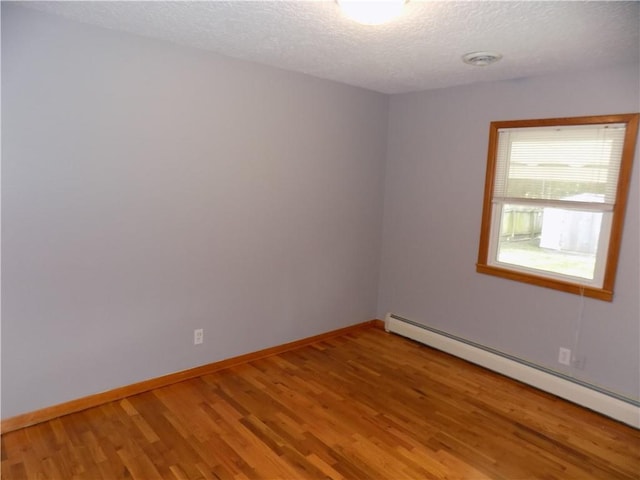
[{"x": 365, "y": 405}]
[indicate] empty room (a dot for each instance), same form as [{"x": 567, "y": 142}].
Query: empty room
[{"x": 320, "y": 239}]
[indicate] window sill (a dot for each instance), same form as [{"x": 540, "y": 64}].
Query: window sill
[{"x": 587, "y": 291}]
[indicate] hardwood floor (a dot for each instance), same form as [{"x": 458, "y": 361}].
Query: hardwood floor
[{"x": 364, "y": 405}]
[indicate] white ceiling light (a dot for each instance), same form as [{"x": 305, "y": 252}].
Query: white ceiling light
[
  {"x": 481, "y": 59},
  {"x": 371, "y": 12}
]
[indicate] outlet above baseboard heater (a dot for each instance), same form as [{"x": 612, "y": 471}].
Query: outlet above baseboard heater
[{"x": 608, "y": 403}]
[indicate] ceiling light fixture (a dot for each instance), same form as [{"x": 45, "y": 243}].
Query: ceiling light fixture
[
  {"x": 371, "y": 12},
  {"x": 481, "y": 59}
]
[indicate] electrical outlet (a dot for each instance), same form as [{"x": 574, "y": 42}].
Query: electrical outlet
[
  {"x": 198, "y": 336},
  {"x": 564, "y": 356}
]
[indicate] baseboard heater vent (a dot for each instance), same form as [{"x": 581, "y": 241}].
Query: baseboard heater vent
[{"x": 608, "y": 403}]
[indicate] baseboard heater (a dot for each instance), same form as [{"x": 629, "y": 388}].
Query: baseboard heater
[{"x": 608, "y": 403}]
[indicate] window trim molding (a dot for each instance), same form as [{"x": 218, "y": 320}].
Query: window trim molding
[{"x": 617, "y": 221}]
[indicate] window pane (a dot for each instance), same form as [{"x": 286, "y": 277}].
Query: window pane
[
  {"x": 555, "y": 195},
  {"x": 554, "y": 240}
]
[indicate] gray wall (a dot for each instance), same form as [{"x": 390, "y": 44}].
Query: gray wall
[
  {"x": 436, "y": 163},
  {"x": 149, "y": 189}
]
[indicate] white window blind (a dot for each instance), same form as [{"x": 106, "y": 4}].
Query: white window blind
[{"x": 568, "y": 166}]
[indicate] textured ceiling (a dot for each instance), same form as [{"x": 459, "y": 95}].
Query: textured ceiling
[{"x": 419, "y": 50}]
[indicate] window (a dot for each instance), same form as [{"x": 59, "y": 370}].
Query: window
[{"x": 554, "y": 201}]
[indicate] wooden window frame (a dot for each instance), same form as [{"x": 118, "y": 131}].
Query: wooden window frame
[{"x": 617, "y": 222}]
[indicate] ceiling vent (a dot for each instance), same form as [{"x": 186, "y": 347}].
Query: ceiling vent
[{"x": 481, "y": 59}]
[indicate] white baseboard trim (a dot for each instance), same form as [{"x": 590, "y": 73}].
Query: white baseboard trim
[{"x": 533, "y": 375}]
